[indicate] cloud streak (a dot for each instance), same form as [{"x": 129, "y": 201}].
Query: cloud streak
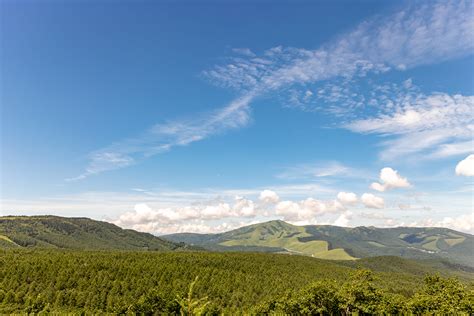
[
  {"x": 418, "y": 35},
  {"x": 163, "y": 137},
  {"x": 439, "y": 125},
  {"x": 320, "y": 170}
]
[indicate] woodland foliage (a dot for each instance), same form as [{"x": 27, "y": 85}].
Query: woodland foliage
[
  {"x": 359, "y": 296},
  {"x": 153, "y": 283}
]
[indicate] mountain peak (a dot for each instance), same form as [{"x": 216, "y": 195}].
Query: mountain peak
[{"x": 276, "y": 222}]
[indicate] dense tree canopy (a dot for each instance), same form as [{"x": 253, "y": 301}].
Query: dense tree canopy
[
  {"x": 195, "y": 283},
  {"x": 360, "y": 296}
]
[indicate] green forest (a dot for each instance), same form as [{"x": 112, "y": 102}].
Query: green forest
[{"x": 203, "y": 283}]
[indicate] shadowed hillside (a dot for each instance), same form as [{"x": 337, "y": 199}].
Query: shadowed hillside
[{"x": 75, "y": 233}]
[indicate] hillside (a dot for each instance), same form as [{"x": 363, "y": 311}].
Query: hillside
[
  {"x": 74, "y": 233},
  {"x": 45, "y": 270},
  {"x": 340, "y": 243}
]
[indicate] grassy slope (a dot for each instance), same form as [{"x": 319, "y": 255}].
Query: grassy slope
[
  {"x": 409, "y": 242},
  {"x": 339, "y": 243},
  {"x": 6, "y": 242},
  {"x": 74, "y": 233},
  {"x": 282, "y": 235}
]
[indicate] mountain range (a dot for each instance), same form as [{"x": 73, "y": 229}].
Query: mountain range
[
  {"x": 340, "y": 243},
  {"x": 75, "y": 233},
  {"x": 318, "y": 241}
]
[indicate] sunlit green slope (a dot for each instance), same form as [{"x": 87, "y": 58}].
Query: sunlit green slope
[
  {"x": 282, "y": 235},
  {"x": 340, "y": 243}
]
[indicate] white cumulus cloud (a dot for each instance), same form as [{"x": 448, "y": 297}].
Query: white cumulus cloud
[
  {"x": 347, "y": 198},
  {"x": 389, "y": 179},
  {"x": 343, "y": 219},
  {"x": 144, "y": 214},
  {"x": 372, "y": 201},
  {"x": 466, "y": 167},
  {"x": 269, "y": 197},
  {"x": 245, "y": 207},
  {"x": 463, "y": 223},
  {"x": 307, "y": 209}
]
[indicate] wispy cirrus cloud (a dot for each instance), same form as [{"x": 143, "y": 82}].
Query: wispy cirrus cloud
[
  {"x": 320, "y": 170},
  {"x": 420, "y": 34},
  {"x": 439, "y": 125},
  {"x": 407, "y": 121},
  {"x": 454, "y": 149},
  {"x": 163, "y": 137}
]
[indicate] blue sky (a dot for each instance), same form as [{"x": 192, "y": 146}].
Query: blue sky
[{"x": 168, "y": 117}]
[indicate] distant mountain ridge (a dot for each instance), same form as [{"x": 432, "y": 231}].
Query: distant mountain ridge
[
  {"x": 319, "y": 241},
  {"x": 75, "y": 233},
  {"x": 340, "y": 243}
]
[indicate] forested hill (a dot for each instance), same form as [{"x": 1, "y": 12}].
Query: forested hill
[
  {"x": 325, "y": 242},
  {"x": 75, "y": 233},
  {"x": 340, "y": 243}
]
